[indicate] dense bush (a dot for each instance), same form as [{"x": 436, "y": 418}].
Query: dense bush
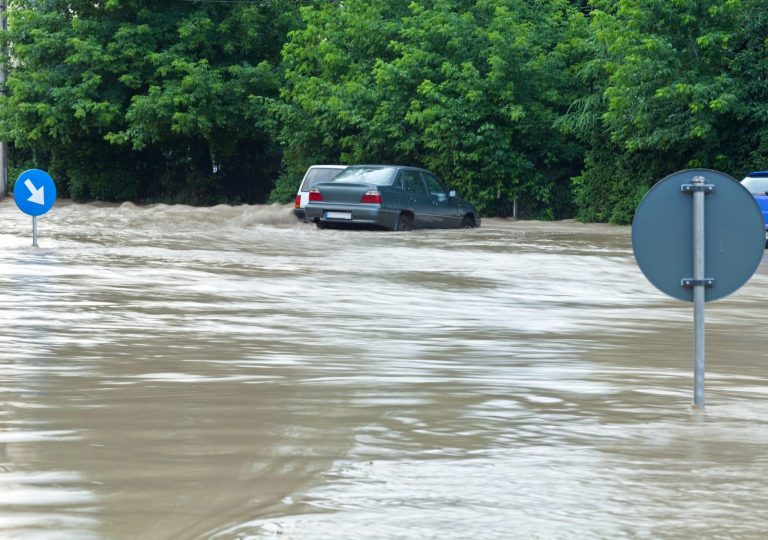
[
  {"x": 570, "y": 108},
  {"x": 147, "y": 100}
]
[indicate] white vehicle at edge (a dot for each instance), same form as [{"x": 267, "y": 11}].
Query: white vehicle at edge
[
  {"x": 757, "y": 184},
  {"x": 314, "y": 175}
]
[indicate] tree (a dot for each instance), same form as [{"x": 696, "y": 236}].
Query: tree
[
  {"x": 329, "y": 95},
  {"x": 141, "y": 99},
  {"x": 469, "y": 89},
  {"x": 750, "y": 68},
  {"x": 674, "y": 85}
]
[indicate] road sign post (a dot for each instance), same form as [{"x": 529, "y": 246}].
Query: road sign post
[
  {"x": 698, "y": 235},
  {"x": 34, "y": 231},
  {"x": 35, "y": 194},
  {"x": 698, "y": 291}
]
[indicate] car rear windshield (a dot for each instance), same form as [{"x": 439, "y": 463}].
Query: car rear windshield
[
  {"x": 756, "y": 186},
  {"x": 317, "y": 175},
  {"x": 380, "y": 176}
]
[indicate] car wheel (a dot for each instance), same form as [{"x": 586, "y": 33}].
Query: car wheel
[
  {"x": 320, "y": 225},
  {"x": 468, "y": 222},
  {"x": 404, "y": 223}
]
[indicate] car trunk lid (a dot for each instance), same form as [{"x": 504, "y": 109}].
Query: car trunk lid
[{"x": 342, "y": 192}]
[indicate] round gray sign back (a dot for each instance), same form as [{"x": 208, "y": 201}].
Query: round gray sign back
[{"x": 734, "y": 234}]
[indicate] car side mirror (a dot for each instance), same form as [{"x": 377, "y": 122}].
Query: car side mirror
[{"x": 452, "y": 193}]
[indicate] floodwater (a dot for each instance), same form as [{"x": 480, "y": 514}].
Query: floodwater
[{"x": 170, "y": 372}]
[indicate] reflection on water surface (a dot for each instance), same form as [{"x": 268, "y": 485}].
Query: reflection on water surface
[{"x": 227, "y": 372}]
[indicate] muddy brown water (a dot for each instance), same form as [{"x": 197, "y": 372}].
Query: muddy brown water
[{"x": 170, "y": 372}]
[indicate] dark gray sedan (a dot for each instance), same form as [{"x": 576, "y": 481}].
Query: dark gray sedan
[{"x": 389, "y": 197}]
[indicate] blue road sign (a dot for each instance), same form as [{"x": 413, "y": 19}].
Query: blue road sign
[{"x": 34, "y": 192}]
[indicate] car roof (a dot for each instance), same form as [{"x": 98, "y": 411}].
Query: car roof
[
  {"x": 379, "y": 166},
  {"x": 328, "y": 167}
]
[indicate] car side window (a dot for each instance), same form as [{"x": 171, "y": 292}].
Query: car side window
[
  {"x": 412, "y": 182},
  {"x": 434, "y": 186},
  {"x": 398, "y": 183}
]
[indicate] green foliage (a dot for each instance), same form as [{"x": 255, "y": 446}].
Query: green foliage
[
  {"x": 19, "y": 160},
  {"x": 674, "y": 85},
  {"x": 750, "y": 66},
  {"x": 569, "y": 107},
  {"x": 128, "y": 101},
  {"x": 468, "y": 89},
  {"x": 285, "y": 189}
]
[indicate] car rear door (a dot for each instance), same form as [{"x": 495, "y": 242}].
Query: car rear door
[{"x": 418, "y": 199}]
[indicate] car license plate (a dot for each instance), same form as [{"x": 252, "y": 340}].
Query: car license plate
[{"x": 338, "y": 215}]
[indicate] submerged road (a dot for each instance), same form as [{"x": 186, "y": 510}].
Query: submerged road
[{"x": 227, "y": 372}]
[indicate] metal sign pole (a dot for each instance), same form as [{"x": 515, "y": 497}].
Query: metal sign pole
[
  {"x": 698, "y": 292},
  {"x": 34, "y": 231},
  {"x": 675, "y": 254}
]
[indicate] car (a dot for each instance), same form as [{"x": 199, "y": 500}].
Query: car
[
  {"x": 757, "y": 184},
  {"x": 392, "y": 197},
  {"x": 315, "y": 174}
]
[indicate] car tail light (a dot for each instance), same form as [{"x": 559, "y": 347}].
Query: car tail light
[
  {"x": 297, "y": 204},
  {"x": 315, "y": 195},
  {"x": 371, "y": 197}
]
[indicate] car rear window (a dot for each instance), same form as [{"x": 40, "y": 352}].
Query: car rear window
[
  {"x": 756, "y": 186},
  {"x": 380, "y": 176},
  {"x": 317, "y": 175}
]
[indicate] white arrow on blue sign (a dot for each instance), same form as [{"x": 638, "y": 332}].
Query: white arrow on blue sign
[{"x": 34, "y": 192}]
